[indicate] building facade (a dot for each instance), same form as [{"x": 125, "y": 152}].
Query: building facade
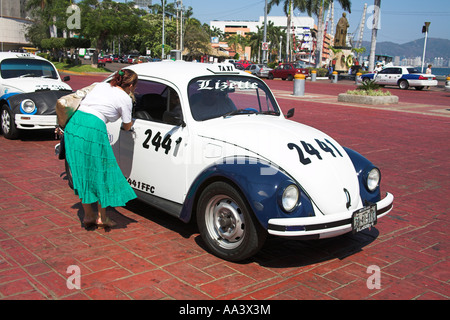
[
  {"x": 13, "y": 23},
  {"x": 302, "y": 30}
]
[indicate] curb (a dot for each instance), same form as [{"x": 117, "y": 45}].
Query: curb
[{"x": 372, "y": 100}]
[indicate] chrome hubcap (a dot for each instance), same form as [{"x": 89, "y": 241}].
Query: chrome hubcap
[{"x": 225, "y": 221}]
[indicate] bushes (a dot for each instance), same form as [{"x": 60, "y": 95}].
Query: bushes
[
  {"x": 369, "y": 88},
  {"x": 320, "y": 72}
]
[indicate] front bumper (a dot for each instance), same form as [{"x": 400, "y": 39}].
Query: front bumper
[
  {"x": 322, "y": 226},
  {"x": 32, "y": 122}
]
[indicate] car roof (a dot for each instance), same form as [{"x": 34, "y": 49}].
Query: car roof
[
  {"x": 15, "y": 55},
  {"x": 181, "y": 72}
]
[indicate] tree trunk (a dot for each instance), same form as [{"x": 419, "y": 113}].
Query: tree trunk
[{"x": 320, "y": 36}]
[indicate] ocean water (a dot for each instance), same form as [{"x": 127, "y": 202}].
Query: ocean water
[{"x": 439, "y": 71}]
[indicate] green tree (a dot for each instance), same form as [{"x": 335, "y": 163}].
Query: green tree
[
  {"x": 103, "y": 20},
  {"x": 196, "y": 39},
  {"x": 49, "y": 17}
]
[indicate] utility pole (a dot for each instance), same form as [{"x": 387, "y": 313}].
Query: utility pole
[
  {"x": 264, "y": 58},
  {"x": 288, "y": 33},
  {"x": 163, "y": 35},
  {"x": 376, "y": 20},
  {"x": 425, "y": 30},
  {"x": 181, "y": 30}
]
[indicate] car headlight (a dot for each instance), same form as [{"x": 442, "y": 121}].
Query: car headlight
[
  {"x": 28, "y": 106},
  {"x": 373, "y": 179},
  {"x": 289, "y": 199}
]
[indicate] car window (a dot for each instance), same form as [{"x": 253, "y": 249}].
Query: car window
[
  {"x": 153, "y": 99},
  {"x": 13, "y": 68},
  {"x": 413, "y": 70},
  {"x": 385, "y": 71},
  {"x": 216, "y": 96}
]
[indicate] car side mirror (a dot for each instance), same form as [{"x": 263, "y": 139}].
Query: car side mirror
[
  {"x": 66, "y": 78},
  {"x": 173, "y": 118},
  {"x": 290, "y": 113}
]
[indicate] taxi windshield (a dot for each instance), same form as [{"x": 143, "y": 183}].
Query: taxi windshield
[
  {"x": 22, "y": 67},
  {"x": 222, "y": 96}
]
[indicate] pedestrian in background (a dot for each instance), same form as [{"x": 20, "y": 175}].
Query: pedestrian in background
[{"x": 95, "y": 173}]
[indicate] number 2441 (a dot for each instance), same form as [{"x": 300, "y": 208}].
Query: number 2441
[{"x": 326, "y": 146}]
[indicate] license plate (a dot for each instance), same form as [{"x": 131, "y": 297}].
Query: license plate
[{"x": 364, "y": 218}]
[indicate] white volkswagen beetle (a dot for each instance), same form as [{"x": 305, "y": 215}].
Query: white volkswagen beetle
[
  {"x": 210, "y": 143},
  {"x": 29, "y": 88}
]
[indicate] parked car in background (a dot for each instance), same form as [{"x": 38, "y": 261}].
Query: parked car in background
[
  {"x": 107, "y": 58},
  {"x": 288, "y": 71},
  {"x": 29, "y": 88},
  {"x": 244, "y": 63},
  {"x": 131, "y": 58},
  {"x": 259, "y": 70},
  {"x": 403, "y": 77},
  {"x": 238, "y": 66},
  {"x": 447, "y": 84},
  {"x": 115, "y": 58}
]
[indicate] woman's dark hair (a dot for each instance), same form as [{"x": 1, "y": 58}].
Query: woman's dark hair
[{"x": 124, "y": 78}]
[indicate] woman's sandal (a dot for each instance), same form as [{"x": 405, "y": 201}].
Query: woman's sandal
[
  {"x": 89, "y": 223},
  {"x": 108, "y": 223}
]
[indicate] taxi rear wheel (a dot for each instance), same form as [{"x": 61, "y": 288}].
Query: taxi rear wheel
[
  {"x": 8, "y": 125},
  {"x": 226, "y": 223},
  {"x": 403, "y": 84}
]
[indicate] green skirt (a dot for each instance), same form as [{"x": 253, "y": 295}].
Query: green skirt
[{"x": 95, "y": 173}]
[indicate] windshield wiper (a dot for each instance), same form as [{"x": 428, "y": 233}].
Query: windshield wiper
[
  {"x": 239, "y": 111},
  {"x": 27, "y": 75},
  {"x": 270, "y": 112}
]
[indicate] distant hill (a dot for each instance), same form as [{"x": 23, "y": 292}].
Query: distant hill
[{"x": 435, "y": 48}]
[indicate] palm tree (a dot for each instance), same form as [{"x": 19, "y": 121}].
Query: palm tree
[{"x": 236, "y": 41}]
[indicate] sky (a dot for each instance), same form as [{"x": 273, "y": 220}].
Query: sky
[{"x": 401, "y": 20}]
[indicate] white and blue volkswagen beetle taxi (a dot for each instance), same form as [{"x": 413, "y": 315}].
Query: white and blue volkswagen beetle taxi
[
  {"x": 210, "y": 143},
  {"x": 29, "y": 88}
]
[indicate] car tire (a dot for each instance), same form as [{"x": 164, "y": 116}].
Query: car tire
[
  {"x": 226, "y": 223},
  {"x": 8, "y": 124},
  {"x": 403, "y": 84},
  {"x": 270, "y": 76}
]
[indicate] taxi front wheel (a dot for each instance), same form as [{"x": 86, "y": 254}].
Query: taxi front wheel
[
  {"x": 227, "y": 224},
  {"x": 8, "y": 125}
]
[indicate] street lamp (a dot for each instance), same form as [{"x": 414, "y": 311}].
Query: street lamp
[
  {"x": 425, "y": 30},
  {"x": 163, "y": 32}
]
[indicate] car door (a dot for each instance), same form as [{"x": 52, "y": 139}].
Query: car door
[
  {"x": 151, "y": 154},
  {"x": 382, "y": 76},
  {"x": 396, "y": 74}
]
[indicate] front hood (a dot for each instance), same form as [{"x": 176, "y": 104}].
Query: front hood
[
  {"x": 31, "y": 84},
  {"x": 316, "y": 161}
]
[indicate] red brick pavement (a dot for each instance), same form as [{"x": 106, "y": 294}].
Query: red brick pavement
[{"x": 153, "y": 256}]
